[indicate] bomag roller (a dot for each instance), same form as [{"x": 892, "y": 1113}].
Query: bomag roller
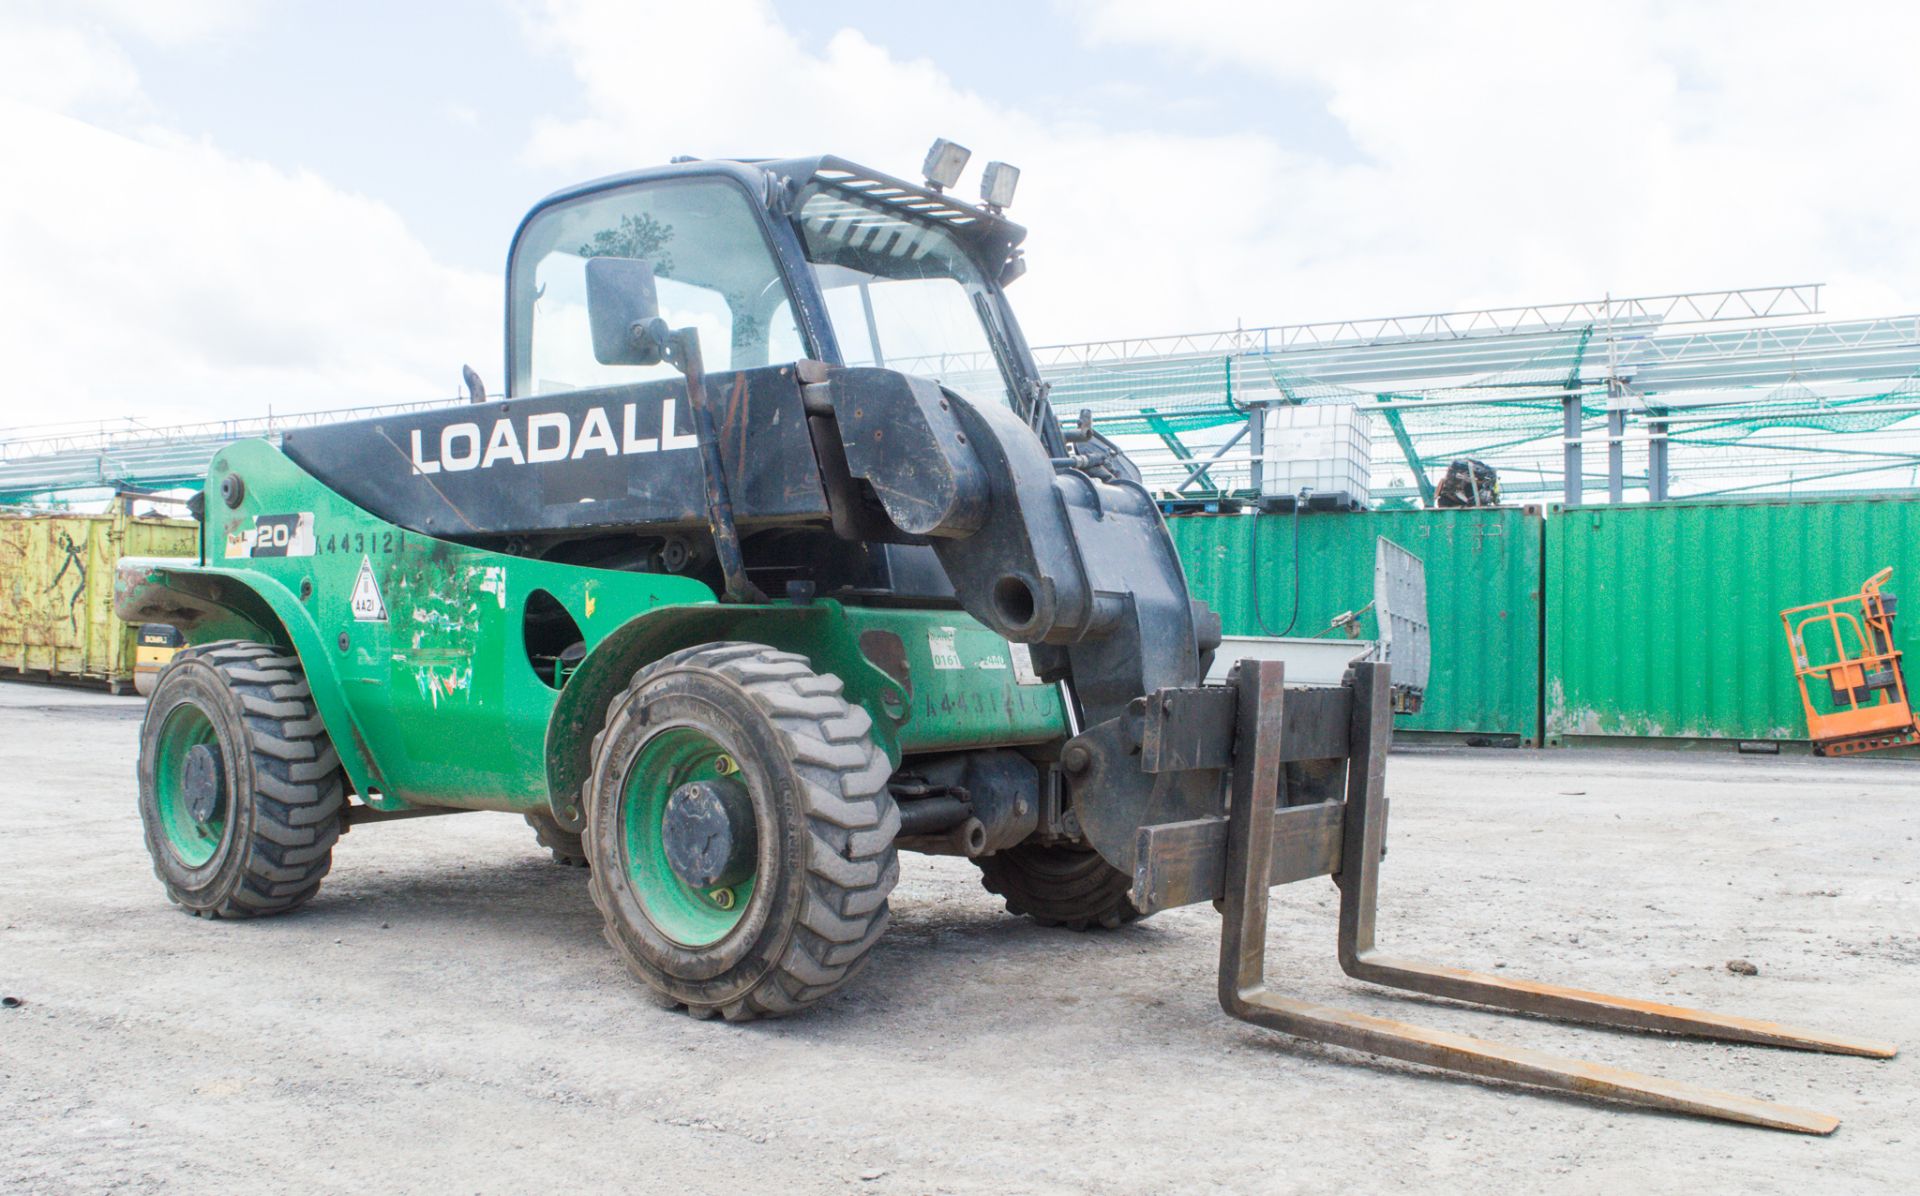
[{"x": 772, "y": 563}]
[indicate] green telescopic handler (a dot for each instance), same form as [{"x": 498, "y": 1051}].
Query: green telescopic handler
[{"x": 771, "y": 563}]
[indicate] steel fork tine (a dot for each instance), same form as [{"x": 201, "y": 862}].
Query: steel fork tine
[
  {"x": 1359, "y": 878},
  {"x": 1498, "y": 1061},
  {"x": 1600, "y": 1009},
  {"x": 1244, "y": 995}
]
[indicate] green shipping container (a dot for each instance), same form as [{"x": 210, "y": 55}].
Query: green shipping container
[
  {"x": 56, "y": 591},
  {"x": 1664, "y": 621},
  {"x": 1483, "y": 596}
]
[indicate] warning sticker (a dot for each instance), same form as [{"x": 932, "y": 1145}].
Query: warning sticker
[
  {"x": 940, "y": 645},
  {"x": 1023, "y": 670},
  {"x": 368, "y": 606}
]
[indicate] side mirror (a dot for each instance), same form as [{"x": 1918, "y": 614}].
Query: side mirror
[{"x": 623, "y": 311}]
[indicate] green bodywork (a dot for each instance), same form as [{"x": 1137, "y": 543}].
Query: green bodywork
[{"x": 428, "y": 692}]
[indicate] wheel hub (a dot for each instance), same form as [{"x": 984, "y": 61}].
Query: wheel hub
[
  {"x": 709, "y": 835},
  {"x": 200, "y": 782}
]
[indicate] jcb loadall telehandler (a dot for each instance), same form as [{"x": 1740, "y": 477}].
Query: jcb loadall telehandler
[{"x": 773, "y": 562}]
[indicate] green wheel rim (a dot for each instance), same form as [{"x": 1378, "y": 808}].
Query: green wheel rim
[
  {"x": 192, "y": 840},
  {"x": 689, "y": 916}
]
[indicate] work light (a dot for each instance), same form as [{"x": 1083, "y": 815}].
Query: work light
[
  {"x": 997, "y": 182},
  {"x": 945, "y": 161}
]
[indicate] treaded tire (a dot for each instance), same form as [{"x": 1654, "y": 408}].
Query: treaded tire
[
  {"x": 284, "y": 791},
  {"x": 565, "y": 846},
  {"x": 825, "y": 829},
  {"x": 1059, "y": 885}
]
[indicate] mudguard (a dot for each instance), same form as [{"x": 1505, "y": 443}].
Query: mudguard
[
  {"x": 208, "y": 604},
  {"x": 933, "y": 681}
]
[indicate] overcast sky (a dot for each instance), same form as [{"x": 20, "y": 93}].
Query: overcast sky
[{"x": 215, "y": 206}]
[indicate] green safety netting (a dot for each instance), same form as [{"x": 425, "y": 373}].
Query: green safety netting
[
  {"x": 1470, "y": 414},
  {"x": 1799, "y": 406},
  {"x": 1167, "y": 397},
  {"x": 1148, "y": 397}
]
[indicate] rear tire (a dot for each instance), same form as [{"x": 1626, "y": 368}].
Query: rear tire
[
  {"x": 1059, "y": 885},
  {"x": 565, "y": 846},
  {"x": 241, "y": 792},
  {"x": 806, "y": 791}
]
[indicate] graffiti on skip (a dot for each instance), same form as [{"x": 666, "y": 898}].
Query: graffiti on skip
[{"x": 76, "y": 561}]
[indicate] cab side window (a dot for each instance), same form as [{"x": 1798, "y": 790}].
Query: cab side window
[{"x": 713, "y": 270}]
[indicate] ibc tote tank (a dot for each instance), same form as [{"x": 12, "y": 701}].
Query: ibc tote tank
[{"x": 1323, "y": 447}]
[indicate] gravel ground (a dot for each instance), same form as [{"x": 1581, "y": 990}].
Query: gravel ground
[{"x": 444, "y": 1017}]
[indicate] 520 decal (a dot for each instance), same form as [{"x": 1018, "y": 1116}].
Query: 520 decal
[{"x": 273, "y": 535}]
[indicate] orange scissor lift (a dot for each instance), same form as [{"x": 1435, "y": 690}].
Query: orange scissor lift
[{"x": 1857, "y": 700}]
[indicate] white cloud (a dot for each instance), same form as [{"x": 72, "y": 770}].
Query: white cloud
[
  {"x": 67, "y": 56},
  {"x": 1104, "y": 262},
  {"x": 1502, "y": 153},
  {"x": 153, "y": 275},
  {"x": 1516, "y": 151},
  {"x": 62, "y": 68},
  {"x": 166, "y": 22},
  {"x": 1506, "y": 152}
]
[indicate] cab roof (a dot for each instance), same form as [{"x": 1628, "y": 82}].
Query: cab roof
[{"x": 991, "y": 236}]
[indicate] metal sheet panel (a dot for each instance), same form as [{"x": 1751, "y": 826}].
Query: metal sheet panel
[
  {"x": 56, "y": 590},
  {"x": 1663, "y": 620},
  {"x": 1483, "y": 596},
  {"x": 1400, "y": 609},
  {"x": 1308, "y": 661}
]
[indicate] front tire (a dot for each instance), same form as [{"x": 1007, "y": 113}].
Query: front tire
[
  {"x": 241, "y": 791},
  {"x": 789, "y": 770}
]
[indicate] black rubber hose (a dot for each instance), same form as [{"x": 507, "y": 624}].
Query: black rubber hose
[{"x": 1253, "y": 571}]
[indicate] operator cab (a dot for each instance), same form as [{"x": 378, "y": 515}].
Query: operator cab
[
  {"x": 786, "y": 270},
  {"x": 775, "y": 262}
]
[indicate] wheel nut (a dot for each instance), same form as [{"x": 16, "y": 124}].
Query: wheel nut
[{"x": 1076, "y": 758}]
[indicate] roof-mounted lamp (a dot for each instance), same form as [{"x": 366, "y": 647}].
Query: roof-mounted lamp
[
  {"x": 944, "y": 163},
  {"x": 997, "y": 183}
]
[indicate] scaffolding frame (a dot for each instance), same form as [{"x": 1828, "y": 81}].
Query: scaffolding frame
[{"x": 1733, "y": 379}]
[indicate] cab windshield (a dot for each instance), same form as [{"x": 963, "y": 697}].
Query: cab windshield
[{"x": 902, "y": 293}]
